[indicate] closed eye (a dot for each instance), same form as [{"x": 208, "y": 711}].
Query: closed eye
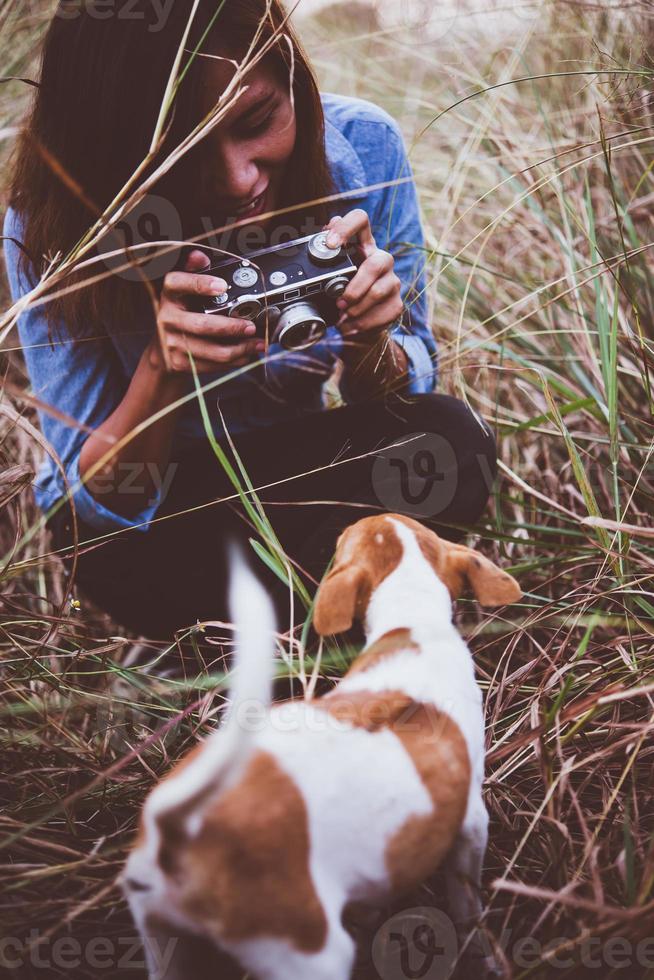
[{"x": 254, "y": 129}]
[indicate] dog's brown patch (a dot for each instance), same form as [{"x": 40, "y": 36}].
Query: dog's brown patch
[
  {"x": 439, "y": 752},
  {"x": 371, "y": 710},
  {"x": 247, "y": 873},
  {"x": 390, "y": 643},
  {"x": 366, "y": 553},
  {"x": 437, "y": 748}
]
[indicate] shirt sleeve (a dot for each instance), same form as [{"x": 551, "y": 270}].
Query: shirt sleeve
[
  {"x": 397, "y": 227},
  {"x": 81, "y": 380}
]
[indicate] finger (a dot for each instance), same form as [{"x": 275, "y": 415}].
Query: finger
[
  {"x": 379, "y": 265},
  {"x": 242, "y": 361},
  {"x": 336, "y": 217},
  {"x": 381, "y": 291},
  {"x": 203, "y": 366},
  {"x": 381, "y": 315},
  {"x": 355, "y": 224},
  {"x": 196, "y": 261},
  {"x": 216, "y": 354},
  {"x": 206, "y": 325},
  {"x": 193, "y": 284}
]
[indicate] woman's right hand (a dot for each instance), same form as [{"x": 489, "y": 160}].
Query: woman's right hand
[{"x": 210, "y": 338}]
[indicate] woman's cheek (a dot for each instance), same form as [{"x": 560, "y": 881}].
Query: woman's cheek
[{"x": 285, "y": 133}]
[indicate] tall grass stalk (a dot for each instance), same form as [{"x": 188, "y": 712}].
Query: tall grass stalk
[{"x": 532, "y": 147}]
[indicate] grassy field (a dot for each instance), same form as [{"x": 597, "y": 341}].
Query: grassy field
[{"x": 533, "y": 155}]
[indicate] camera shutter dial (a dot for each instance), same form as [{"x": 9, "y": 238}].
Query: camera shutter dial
[
  {"x": 320, "y": 251},
  {"x": 278, "y": 278},
  {"x": 245, "y": 276}
]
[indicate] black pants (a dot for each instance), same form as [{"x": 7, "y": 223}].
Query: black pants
[{"x": 427, "y": 456}]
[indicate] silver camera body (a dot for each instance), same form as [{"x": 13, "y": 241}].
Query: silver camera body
[{"x": 289, "y": 291}]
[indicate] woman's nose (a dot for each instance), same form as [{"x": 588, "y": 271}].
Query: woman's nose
[{"x": 239, "y": 176}]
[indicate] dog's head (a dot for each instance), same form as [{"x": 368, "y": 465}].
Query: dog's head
[{"x": 368, "y": 551}]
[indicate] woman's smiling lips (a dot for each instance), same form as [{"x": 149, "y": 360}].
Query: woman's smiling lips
[
  {"x": 227, "y": 213},
  {"x": 253, "y": 207}
]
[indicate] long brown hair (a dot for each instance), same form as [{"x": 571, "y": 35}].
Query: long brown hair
[{"x": 101, "y": 86}]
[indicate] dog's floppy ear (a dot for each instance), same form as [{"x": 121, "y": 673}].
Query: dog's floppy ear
[
  {"x": 491, "y": 585},
  {"x": 342, "y": 597}
]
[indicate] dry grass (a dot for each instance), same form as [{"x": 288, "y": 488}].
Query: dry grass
[{"x": 538, "y": 200}]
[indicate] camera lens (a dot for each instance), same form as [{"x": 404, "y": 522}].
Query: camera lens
[
  {"x": 248, "y": 309},
  {"x": 300, "y": 326}
]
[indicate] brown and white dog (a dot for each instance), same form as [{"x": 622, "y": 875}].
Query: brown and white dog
[{"x": 260, "y": 838}]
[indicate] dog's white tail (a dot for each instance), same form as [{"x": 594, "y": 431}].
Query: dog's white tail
[{"x": 177, "y": 805}]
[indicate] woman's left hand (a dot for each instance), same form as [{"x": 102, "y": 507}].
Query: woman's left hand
[{"x": 372, "y": 300}]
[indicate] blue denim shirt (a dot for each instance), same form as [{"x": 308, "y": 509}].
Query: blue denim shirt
[{"x": 86, "y": 380}]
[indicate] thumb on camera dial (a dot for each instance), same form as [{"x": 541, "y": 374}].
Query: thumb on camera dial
[{"x": 320, "y": 251}]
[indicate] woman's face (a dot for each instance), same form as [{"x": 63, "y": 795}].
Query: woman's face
[{"x": 247, "y": 152}]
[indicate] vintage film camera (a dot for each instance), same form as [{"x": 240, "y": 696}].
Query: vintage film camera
[{"x": 289, "y": 291}]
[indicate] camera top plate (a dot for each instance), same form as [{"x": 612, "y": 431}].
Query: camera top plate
[{"x": 281, "y": 273}]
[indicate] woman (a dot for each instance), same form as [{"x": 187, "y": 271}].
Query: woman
[{"x": 110, "y": 358}]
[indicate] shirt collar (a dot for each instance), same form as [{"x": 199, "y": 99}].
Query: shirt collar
[{"x": 344, "y": 162}]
